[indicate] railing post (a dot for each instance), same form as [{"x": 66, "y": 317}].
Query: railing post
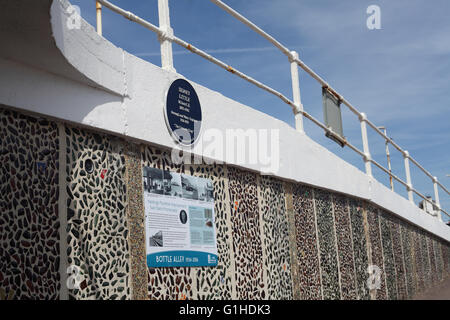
[
  {"x": 296, "y": 92},
  {"x": 166, "y": 44},
  {"x": 365, "y": 141},
  {"x": 436, "y": 197},
  {"x": 408, "y": 177},
  {"x": 388, "y": 156},
  {"x": 98, "y": 7}
]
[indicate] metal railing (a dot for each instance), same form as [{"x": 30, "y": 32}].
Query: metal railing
[{"x": 167, "y": 37}]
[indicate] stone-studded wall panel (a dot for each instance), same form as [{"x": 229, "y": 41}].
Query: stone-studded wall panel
[
  {"x": 247, "y": 244},
  {"x": 438, "y": 255},
  {"x": 306, "y": 242},
  {"x": 445, "y": 259},
  {"x": 345, "y": 247},
  {"x": 408, "y": 249},
  {"x": 398, "y": 259},
  {"x": 418, "y": 259},
  {"x": 388, "y": 255},
  {"x": 216, "y": 282},
  {"x": 275, "y": 239},
  {"x": 327, "y": 245},
  {"x": 447, "y": 247},
  {"x": 29, "y": 222},
  {"x": 359, "y": 248},
  {"x": 97, "y": 230},
  {"x": 431, "y": 253},
  {"x": 425, "y": 259},
  {"x": 376, "y": 249}
]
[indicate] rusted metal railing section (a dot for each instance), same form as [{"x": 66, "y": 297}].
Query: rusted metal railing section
[{"x": 166, "y": 37}]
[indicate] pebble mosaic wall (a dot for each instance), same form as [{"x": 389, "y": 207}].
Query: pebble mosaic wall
[
  {"x": 310, "y": 287},
  {"x": 345, "y": 247},
  {"x": 359, "y": 248},
  {"x": 293, "y": 250},
  {"x": 431, "y": 253},
  {"x": 447, "y": 254},
  {"x": 438, "y": 254},
  {"x": 446, "y": 251},
  {"x": 418, "y": 258},
  {"x": 275, "y": 240},
  {"x": 216, "y": 283},
  {"x": 97, "y": 230},
  {"x": 388, "y": 255},
  {"x": 407, "y": 244},
  {"x": 398, "y": 259},
  {"x": 247, "y": 246},
  {"x": 446, "y": 259},
  {"x": 376, "y": 249},
  {"x": 425, "y": 260},
  {"x": 29, "y": 223},
  {"x": 327, "y": 245}
]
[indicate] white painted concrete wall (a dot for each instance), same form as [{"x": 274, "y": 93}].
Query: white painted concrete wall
[{"x": 97, "y": 84}]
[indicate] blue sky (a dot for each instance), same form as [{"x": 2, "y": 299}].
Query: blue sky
[{"x": 399, "y": 75}]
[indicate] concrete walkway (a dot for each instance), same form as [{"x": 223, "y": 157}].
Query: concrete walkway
[{"x": 440, "y": 292}]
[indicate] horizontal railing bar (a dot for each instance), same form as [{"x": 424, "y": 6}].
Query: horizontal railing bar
[
  {"x": 287, "y": 52},
  {"x": 381, "y": 133},
  {"x": 429, "y": 174},
  {"x": 443, "y": 188},
  {"x": 430, "y": 202},
  {"x": 218, "y": 62},
  {"x": 230, "y": 69},
  {"x": 402, "y": 151},
  {"x": 357, "y": 113},
  {"x": 323, "y": 83},
  {"x": 389, "y": 173},
  {"x": 252, "y": 26},
  {"x": 421, "y": 168},
  {"x": 132, "y": 17},
  {"x": 406, "y": 185},
  {"x": 355, "y": 149},
  {"x": 193, "y": 49}
]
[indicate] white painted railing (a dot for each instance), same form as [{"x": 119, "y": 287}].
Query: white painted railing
[{"x": 167, "y": 37}]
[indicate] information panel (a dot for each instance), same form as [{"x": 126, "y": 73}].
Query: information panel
[{"x": 179, "y": 220}]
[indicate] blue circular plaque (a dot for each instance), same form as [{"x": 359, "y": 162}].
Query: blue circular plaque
[{"x": 183, "y": 112}]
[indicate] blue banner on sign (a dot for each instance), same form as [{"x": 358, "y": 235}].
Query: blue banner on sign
[{"x": 181, "y": 259}]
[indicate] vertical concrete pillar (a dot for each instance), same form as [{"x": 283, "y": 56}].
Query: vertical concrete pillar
[
  {"x": 136, "y": 223},
  {"x": 62, "y": 211}
]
